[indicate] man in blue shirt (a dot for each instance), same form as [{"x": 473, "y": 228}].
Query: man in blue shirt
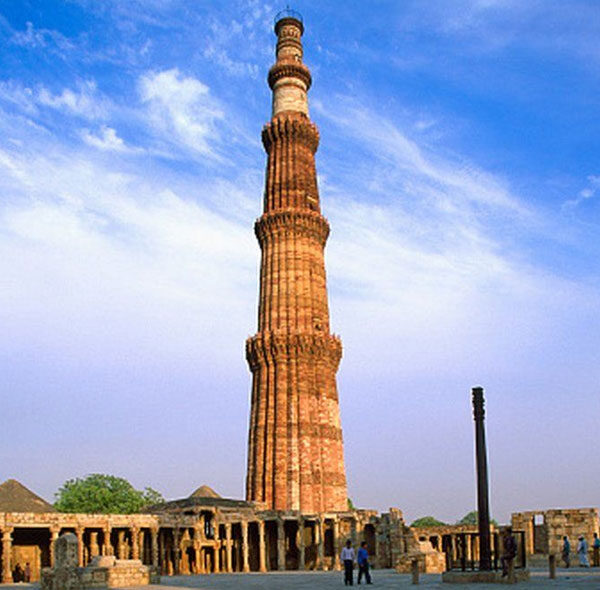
[{"x": 363, "y": 563}]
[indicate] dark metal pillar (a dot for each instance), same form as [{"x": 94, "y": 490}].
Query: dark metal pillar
[{"x": 483, "y": 505}]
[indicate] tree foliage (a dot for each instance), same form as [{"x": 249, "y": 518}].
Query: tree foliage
[
  {"x": 427, "y": 521},
  {"x": 471, "y": 518},
  {"x": 351, "y": 504},
  {"x": 104, "y": 494}
]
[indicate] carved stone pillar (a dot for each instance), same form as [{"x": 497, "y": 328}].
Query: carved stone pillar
[
  {"x": 217, "y": 553},
  {"x": 228, "y": 547},
  {"x": 176, "y": 550},
  {"x": 80, "y": 547},
  {"x": 377, "y": 550},
  {"x": 94, "y": 547},
  {"x": 107, "y": 547},
  {"x": 245, "y": 548},
  {"x": 301, "y": 548},
  {"x": 336, "y": 545},
  {"x": 121, "y": 553},
  {"x": 262, "y": 549},
  {"x": 54, "y": 531},
  {"x": 6, "y": 555},
  {"x": 142, "y": 546},
  {"x": 320, "y": 540},
  {"x": 135, "y": 543},
  {"x": 280, "y": 545},
  {"x": 154, "y": 535},
  {"x": 197, "y": 556}
]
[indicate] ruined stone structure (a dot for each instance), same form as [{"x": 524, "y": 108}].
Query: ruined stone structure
[
  {"x": 199, "y": 535},
  {"x": 544, "y": 529},
  {"x": 103, "y": 571},
  {"x": 295, "y": 451},
  {"x": 450, "y": 542}
]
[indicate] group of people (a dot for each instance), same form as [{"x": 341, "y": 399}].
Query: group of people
[
  {"x": 582, "y": 551},
  {"x": 361, "y": 558},
  {"x": 22, "y": 574},
  {"x": 509, "y": 546}
]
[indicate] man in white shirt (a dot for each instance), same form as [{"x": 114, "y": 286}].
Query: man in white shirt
[{"x": 348, "y": 559}]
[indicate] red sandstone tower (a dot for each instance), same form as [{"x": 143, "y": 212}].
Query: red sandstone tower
[{"x": 295, "y": 449}]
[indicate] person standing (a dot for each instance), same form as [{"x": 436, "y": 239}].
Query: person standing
[
  {"x": 509, "y": 546},
  {"x": 27, "y": 573},
  {"x": 363, "y": 563},
  {"x": 582, "y": 549},
  {"x": 566, "y": 551},
  {"x": 596, "y": 550},
  {"x": 348, "y": 560}
]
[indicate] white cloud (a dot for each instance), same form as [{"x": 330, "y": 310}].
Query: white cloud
[
  {"x": 84, "y": 102},
  {"x": 435, "y": 253},
  {"x": 231, "y": 66},
  {"x": 120, "y": 255},
  {"x": 41, "y": 38},
  {"x": 454, "y": 184},
  {"x": 106, "y": 140},
  {"x": 16, "y": 93},
  {"x": 182, "y": 110},
  {"x": 585, "y": 194}
]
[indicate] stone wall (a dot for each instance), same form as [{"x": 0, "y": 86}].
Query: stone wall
[{"x": 546, "y": 536}]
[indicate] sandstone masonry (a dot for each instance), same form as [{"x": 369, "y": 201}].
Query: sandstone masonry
[{"x": 295, "y": 449}]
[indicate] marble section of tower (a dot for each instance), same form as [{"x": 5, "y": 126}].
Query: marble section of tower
[{"x": 295, "y": 448}]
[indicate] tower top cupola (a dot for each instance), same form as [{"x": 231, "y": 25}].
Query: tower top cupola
[{"x": 289, "y": 78}]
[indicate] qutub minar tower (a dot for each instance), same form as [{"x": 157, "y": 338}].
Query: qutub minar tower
[{"x": 295, "y": 449}]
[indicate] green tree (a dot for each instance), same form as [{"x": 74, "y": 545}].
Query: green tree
[
  {"x": 103, "y": 494},
  {"x": 426, "y": 521},
  {"x": 471, "y": 519},
  {"x": 351, "y": 504}
]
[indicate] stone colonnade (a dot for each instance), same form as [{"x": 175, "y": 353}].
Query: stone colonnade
[
  {"x": 205, "y": 540},
  {"x": 458, "y": 542}
]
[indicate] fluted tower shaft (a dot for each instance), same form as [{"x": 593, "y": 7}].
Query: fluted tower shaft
[{"x": 295, "y": 449}]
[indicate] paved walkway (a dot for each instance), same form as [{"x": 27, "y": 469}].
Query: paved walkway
[
  {"x": 574, "y": 578},
  {"x": 578, "y": 579}
]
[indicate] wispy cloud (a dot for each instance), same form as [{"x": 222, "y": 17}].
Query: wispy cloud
[
  {"x": 230, "y": 65},
  {"x": 84, "y": 101},
  {"x": 16, "y": 93},
  {"x": 106, "y": 139},
  {"x": 585, "y": 194},
  {"x": 35, "y": 38},
  {"x": 424, "y": 172},
  {"x": 152, "y": 247},
  {"x": 181, "y": 109},
  {"x": 433, "y": 246}
]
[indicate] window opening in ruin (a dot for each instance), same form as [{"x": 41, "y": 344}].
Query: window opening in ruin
[
  {"x": 538, "y": 519},
  {"x": 209, "y": 529}
]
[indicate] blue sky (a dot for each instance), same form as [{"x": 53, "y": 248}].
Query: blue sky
[{"x": 458, "y": 167}]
